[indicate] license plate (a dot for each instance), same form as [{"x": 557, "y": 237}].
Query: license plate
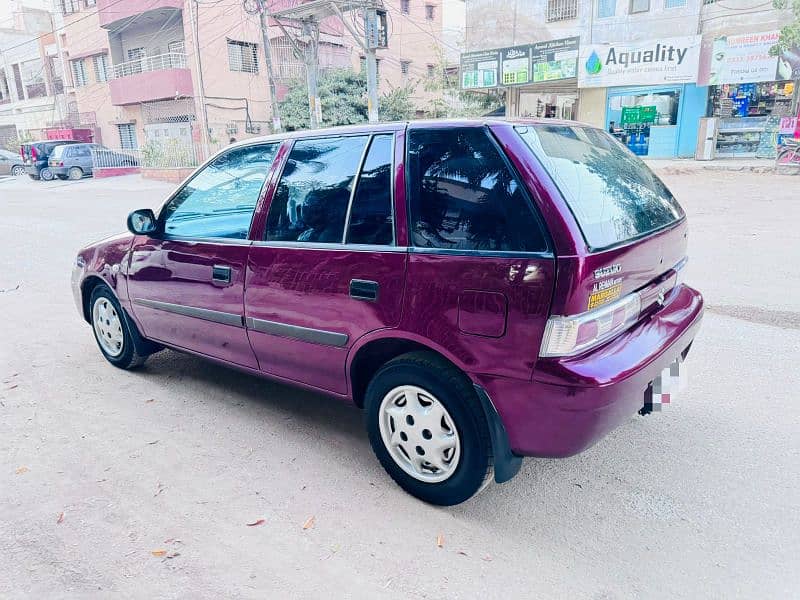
[{"x": 667, "y": 387}]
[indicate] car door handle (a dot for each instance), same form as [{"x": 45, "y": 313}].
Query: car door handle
[
  {"x": 221, "y": 274},
  {"x": 362, "y": 289}
]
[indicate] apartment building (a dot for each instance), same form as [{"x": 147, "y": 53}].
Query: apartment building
[
  {"x": 651, "y": 70},
  {"x": 140, "y": 68},
  {"x": 31, "y": 75}
]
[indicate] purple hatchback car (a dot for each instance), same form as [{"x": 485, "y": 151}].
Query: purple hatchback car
[{"x": 484, "y": 290}]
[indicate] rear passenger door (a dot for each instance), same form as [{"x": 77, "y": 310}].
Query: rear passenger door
[
  {"x": 326, "y": 270},
  {"x": 480, "y": 272},
  {"x": 81, "y": 156}
]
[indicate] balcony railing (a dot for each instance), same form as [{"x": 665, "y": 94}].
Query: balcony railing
[{"x": 159, "y": 62}]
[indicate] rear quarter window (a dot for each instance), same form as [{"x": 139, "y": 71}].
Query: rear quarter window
[
  {"x": 463, "y": 195},
  {"x": 613, "y": 195}
]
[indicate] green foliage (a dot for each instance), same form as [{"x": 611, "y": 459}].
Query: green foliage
[
  {"x": 23, "y": 137},
  {"x": 172, "y": 153},
  {"x": 790, "y": 33},
  {"x": 341, "y": 95},
  {"x": 396, "y": 105}
]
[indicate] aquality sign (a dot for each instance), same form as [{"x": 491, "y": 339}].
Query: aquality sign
[{"x": 653, "y": 62}]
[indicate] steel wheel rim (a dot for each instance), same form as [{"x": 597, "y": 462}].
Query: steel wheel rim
[
  {"x": 108, "y": 327},
  {"x": 419, "y": 434}
]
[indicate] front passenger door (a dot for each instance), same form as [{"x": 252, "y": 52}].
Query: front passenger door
[{"x": 186, "y": 286}]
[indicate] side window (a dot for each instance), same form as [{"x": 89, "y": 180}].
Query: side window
[
  {"x": 310, "y": 203},
  {"x": 371, "y": 213},
  {"x": 463, "y": 195},
  {"x": 218, "y": 202}
]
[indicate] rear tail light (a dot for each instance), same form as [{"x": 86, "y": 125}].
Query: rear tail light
[
  {"x": 33, "y": 153},
  {"x": 567, "y": 336},
  {"x": 61, "y": 164}
]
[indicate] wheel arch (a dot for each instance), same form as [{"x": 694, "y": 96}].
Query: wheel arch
[
  {"x": 371, "y": 352},
  {"x": 87, "y": 287}
]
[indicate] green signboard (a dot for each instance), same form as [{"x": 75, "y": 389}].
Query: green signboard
[
  {"x": 635, "y": 115},
  {"x": 520, "y": 65}
]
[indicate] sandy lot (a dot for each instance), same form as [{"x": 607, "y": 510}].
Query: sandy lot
[{"x": 699, "y": 501}]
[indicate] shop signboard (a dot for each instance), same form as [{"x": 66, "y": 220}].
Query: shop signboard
[
  {"x": 637, "y": 115},
  {"x": 516, "y": 65},
  {"x": 653, "y": 62},
  {"x": 479, "y": 70},
  {"x": 555, "y": 59},
  {"x": 519, "y": 65},
  {"x": 743, "y": 59}
]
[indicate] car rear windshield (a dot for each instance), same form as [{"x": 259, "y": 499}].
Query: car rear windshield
[{"x": 613, "y": 195}]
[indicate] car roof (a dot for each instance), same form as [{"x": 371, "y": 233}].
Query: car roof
[{"x": 401, "y": 125}]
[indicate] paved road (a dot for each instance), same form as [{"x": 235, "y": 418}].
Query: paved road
[{"x": 700, "y": 501}]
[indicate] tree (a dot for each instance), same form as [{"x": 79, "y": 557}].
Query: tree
[
  {"x": 790, "y": 33},
  {"x": 342, "y": 94}
]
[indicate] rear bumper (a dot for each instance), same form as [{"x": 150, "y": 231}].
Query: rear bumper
[{"x": 572, "y": 403}]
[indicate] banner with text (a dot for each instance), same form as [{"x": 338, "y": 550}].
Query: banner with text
[
  {"x": 745, "y": 59},
  {"x": 519, "y": 65},
  {"x": 654, "y": 62}
]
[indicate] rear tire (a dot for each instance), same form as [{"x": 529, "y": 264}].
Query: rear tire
[
  {"x": 114, "y": 333},
  {"x": 75, "y": 173},
  {"x": 46, "y": 174},
  {"x": 413, "y": 403}
]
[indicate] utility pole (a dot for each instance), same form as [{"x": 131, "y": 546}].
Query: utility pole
[
  {"x": 273, "y": 97},
  {"x": 311, "y": 57},
  {"x": 372, "y": 39},
  {"x": 308, "y": 16},
  {"x": 201, "y": 91}
]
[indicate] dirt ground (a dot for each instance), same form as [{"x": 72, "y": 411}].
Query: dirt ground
[{"x": 142, "y": 484}]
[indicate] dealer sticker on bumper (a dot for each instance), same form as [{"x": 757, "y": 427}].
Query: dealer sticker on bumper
[{"x": 665, "y": 388}]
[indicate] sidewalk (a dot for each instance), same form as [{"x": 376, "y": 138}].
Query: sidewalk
[{"x": 683, "y": 166}]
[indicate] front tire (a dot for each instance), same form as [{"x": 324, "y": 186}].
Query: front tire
[
  {"x": 428, "y": 430},
  {"x": 46, "y": 174},
  {"x": 17, "y": 171},
  {"x": 112, "y": 331}
]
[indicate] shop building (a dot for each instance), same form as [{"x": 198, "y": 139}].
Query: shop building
[
  {"x": 753, "y": 96},
  {"x": 648, "y": 92},
  {"x": 537, "y": 65}
]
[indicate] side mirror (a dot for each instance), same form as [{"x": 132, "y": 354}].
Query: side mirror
[{"x": 142, "y": 222}]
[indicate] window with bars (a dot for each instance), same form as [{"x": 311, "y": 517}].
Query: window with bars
[
  {"x": 100, "y": 67},
  {"x": 429, "y": 12},
  {"x": 5, "y": 92},
  {"x": 79, "y": 78},
  {"x": 405, "y": 67},
  {"x": 405, "y": 6},
  {"x": 56, "y": 74},
  {"x": 674, "y": 3},
  {"x": 69, "y": 6},
  {"x": 431, "y": 70},
  {"x": 243, "y": 56},
  {"x": 561, "y": 10},
  {"x": 606, "y": 8},
  {"x": 33, "y": 78},
  {"x": 639, "y": 6},
  {"x": 127, "y": 136}
]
